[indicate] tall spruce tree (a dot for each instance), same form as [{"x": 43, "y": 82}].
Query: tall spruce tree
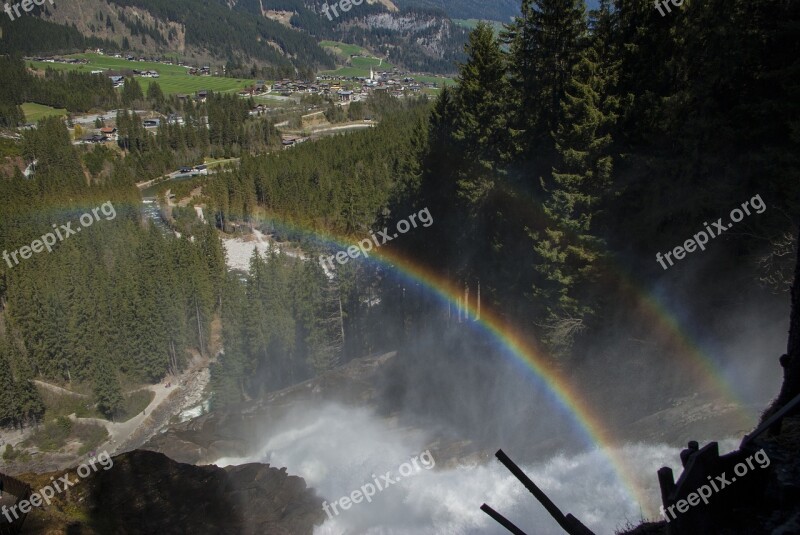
[
  {"x": 570, "y": 248},
  {"x": 545, "y": 43}
]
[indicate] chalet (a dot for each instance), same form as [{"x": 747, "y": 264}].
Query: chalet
[
  {"x": 345, "y": 96},
  {"x": 110, "y": 132},
  {"x": 202, "y": 95}
]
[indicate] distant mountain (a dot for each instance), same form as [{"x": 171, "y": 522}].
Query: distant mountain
[
  {"x": 501, "y": 10},
  {"x": 279, "y": 35}
]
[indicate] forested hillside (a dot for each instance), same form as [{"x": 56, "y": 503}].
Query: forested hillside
[
  {"x": 502, "y": 10},
  {"x": 624, "y": 113},
  {"x": 243, "y": 35},
  {"x": 606, "y": 129}
]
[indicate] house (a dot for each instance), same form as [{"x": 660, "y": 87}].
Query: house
[
  {"x": 202, "y": 95},
  {"x": 174, "y": 118},
  {"x": 345, "y": 96},
  {"x": 110, "y": 132},
  {"x": 258, "y": 110},
  {"x": 95, "y": 138}
]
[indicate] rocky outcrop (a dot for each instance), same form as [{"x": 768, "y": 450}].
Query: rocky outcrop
[{"x": 146, "y": 492}]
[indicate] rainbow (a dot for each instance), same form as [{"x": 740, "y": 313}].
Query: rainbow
[
  {"x": 524, "y": 351},
  {"x": 534, "y": 359}
]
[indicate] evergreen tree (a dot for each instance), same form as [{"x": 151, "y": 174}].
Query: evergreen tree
[
  {"x": 545, "y": 43},
  {"x": 131, "y": 91},
  {"x": 107, "y": 392},
  {"x": 570, "y": 247}
]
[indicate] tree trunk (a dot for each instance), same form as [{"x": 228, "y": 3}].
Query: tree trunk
[{"x": 199, "y": 329}]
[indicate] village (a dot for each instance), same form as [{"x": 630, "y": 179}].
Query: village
[{"x": 305, "y": 100}]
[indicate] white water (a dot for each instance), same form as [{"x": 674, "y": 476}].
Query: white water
[{"x": 337, "y": 450}]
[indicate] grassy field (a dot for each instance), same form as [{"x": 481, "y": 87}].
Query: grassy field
[
  {"x": 358, "y": 66},
  {"x": 434, "y": 80},
  {"x": 173, "y": 78},
  {"x": 348, "y": 72},
  {"x": 343, "y": 49},
  {"x": 33, "y": 112},
  {"x": 366, "y": 63}
]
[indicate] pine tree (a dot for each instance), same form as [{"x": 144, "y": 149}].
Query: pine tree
[
  {"x": 9, "y": 404},
  {"x": 545, "y": 43},
  {"x": 131, "y": 91},
  {"x": 107, "y": 391},
  {"x": 570, "y": 247}
]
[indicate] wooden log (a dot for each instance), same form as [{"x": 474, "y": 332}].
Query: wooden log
[
  {"x": 503, "y": 521},
  {"x": 551, "y": 508},
  {"x": 771, "y": 421}
]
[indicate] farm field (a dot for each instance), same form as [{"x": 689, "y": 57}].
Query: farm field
[
  {"x": 441, "y": 82},
  {"x": 33, "y": 112},
  {"x": 343, "y": 49},
  {"x": 173, "y": 78},
  {"x": 366, "y": 63}
]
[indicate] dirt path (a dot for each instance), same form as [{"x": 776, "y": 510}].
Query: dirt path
[
  {"x": 121, "y": 430},
  {"x": 120, "y": 433},
  {"x": 58, "y": 389}
]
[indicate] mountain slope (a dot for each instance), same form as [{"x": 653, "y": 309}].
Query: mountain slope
[
  {"x": 501, "y": 10},
  {"x": 280, "y": 35}
]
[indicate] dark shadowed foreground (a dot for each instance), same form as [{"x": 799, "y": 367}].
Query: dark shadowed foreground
[{"x": 147, "y": 492}]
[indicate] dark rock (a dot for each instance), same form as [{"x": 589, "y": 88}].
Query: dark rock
[{"x": 146, "y": 492}]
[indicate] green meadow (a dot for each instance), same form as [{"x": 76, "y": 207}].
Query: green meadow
[
  {"x": 440, "y": 82},
  {"x": 33, "y": 112},
  {"x": 366, "y": 63},
  {"x": 343, "y": 49},
  {"x": 172, "y": 78}
]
